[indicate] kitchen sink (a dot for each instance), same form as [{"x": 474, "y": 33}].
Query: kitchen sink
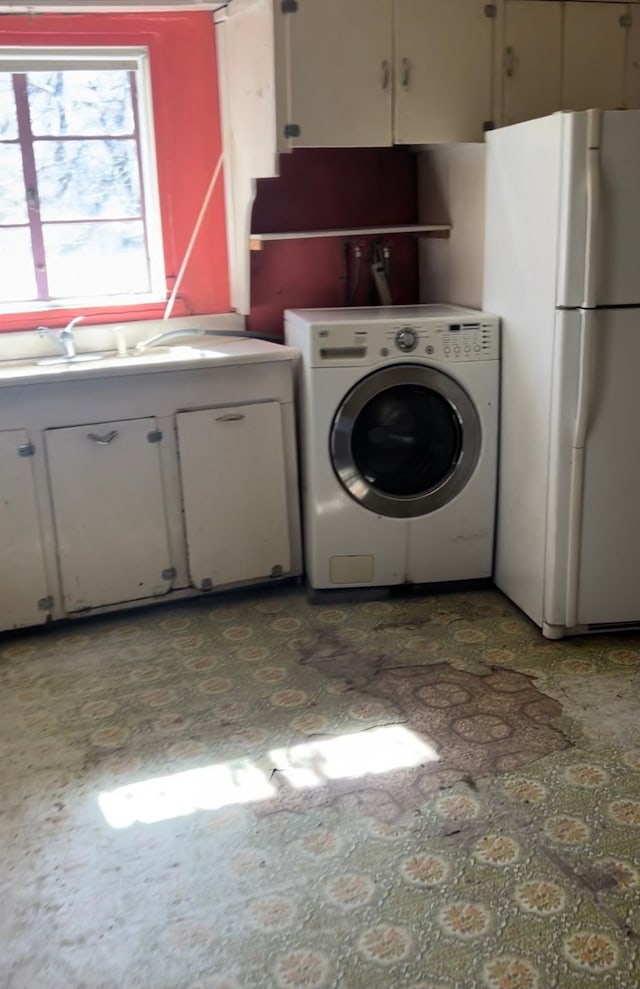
[
  {"x": 76, "y": 359},
  {"x": 197, "y": 353}
]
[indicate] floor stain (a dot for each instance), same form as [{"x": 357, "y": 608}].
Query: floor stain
[{"x": 479, "y": 726}]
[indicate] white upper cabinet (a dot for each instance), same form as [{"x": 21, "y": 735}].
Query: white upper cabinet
[
  {"x": 109, "y": 512},
  {"x": 370, "y": 73},
  {"x": 338, "y": 73},
  {"x": 532, "y": 59},
  {"x": 632, "y": 73},
  {"x": 443, "y": 70},
  {"x": 24, "y": 599},
  {"x": 595, "y": 42}
]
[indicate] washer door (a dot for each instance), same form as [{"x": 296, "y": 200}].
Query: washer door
[{"x": 405, "y": 440}]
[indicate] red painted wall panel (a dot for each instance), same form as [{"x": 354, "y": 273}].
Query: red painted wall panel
[
  {"x": 327, "y": 189},
  {"x": 188, "y": 140},
  {"x": 316, "y": 189}
]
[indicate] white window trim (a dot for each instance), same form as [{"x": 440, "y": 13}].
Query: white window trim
[{"x": 131, "y": 58}]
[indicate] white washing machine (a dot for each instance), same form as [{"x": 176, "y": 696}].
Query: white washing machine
[{"x": 398, "y": 413}]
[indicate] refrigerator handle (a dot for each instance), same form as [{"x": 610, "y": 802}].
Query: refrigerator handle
[
  {"x": 592, "y": 239},
  {"x": 576, "y": 480},
  {"x": 585, "y": 365}
]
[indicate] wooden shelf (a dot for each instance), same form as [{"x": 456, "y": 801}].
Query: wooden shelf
[{"x": 433, "y": 230}]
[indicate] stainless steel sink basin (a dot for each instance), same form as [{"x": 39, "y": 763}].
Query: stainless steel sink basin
[{"x": 78, "y": 359}]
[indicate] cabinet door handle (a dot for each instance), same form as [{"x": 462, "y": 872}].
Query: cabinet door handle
[
  {"x": 405, "y": 75},
  {"x": 102, "y": 440},
  {"x": 230, "y": 417},
  {"x": 386, "y": 74},
  {"x": 509, "y": 62}
]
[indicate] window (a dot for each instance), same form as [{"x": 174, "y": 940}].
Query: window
[
  {"x": 79, "y": 206},
  {"x": 109, "y": 137}
]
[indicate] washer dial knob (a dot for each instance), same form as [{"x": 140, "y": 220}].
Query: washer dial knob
[{"x": 406, "y": 339}]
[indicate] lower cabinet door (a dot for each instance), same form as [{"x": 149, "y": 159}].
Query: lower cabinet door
[
  {"x": 23, "y": 589},
  {"x": 234, "y": 494},
  {"x": 110, "y": 520}
]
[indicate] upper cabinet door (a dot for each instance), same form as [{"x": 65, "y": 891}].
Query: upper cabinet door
[
  {"x": 443, "y": 70},
  {"x": 595, "y": 39},
  {"x": 632, "y": 73},
  {"x": 339, "y": 72},
  {"x": 108, "y": 503},
  {"x": 532, "y": 59}
]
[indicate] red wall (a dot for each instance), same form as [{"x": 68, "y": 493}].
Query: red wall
[
  {"x": 323, "y": 190},
  {"x": 316, "y": 189},
  {"x": 188, "y": 142}
]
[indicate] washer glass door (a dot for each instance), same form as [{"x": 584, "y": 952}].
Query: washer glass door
[{"x": 405, "y": 440}]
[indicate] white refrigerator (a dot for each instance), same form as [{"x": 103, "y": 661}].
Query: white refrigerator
[{"x": 562, "y": 270}]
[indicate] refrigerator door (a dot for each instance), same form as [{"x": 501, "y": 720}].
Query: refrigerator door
[
  {"x": 617, "y": 225},
  {"x": 608, "y": 576}
]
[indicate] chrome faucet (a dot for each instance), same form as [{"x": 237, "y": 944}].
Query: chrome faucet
[{"x": 64, "y": 337}]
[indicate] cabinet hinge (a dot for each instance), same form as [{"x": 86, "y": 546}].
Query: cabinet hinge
[
  {"x": 626, "y": 20},
  {"x": 292, "y": 130},
  {"x": 169, "y": 573},
  {"x": 154, "y": 436},
  {"x": 277, "y": 571},
  {"x": 488, "y": 125},
  {"x": 490, "y": 10},
  {"x": 289, "y": 6},
  {"x": 45, "y": 604},
  {"x": 26, "y": 450},
  {"x": 207, "y": 584}
]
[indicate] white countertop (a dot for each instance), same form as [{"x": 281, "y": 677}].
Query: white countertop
[{"x": 200, "y": 352}]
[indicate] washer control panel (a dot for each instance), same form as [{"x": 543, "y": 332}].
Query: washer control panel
[
  {"x": 467, "y": 336},
  {"x": 446, "y": 339}
]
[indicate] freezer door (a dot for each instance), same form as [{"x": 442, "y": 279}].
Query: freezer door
[
  {"x": 609, "y": 570},
  {"x": 617, "y": 228}
]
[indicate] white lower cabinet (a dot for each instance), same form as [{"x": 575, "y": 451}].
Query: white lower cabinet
[
  {"x": 24, "y": 600},
  {"x": 125, "y": 489},
  {"x": 109, "y": 512},
  {"x": 232, "y": 466}
]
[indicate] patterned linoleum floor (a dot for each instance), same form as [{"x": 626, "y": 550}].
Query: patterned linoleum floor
[{"x": 250, "y": 792}]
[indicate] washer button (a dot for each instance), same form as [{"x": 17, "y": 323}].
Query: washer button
[
  {"x": 428, "y": 350},
  {"x": 447, "y": 350},
  {"x": 456, "y": 350},
  {"x": 477, "y": 349},
  {"x": 385, "y": 353}
]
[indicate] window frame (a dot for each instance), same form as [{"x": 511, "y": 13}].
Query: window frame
[
  {"x": 188, "y": 144},
  {"x": 18, "y": 60}
]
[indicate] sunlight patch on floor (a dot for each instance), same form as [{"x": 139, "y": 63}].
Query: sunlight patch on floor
[
  {"x": 378, "y": 750},
  {"x": 240, "y": 781}
]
